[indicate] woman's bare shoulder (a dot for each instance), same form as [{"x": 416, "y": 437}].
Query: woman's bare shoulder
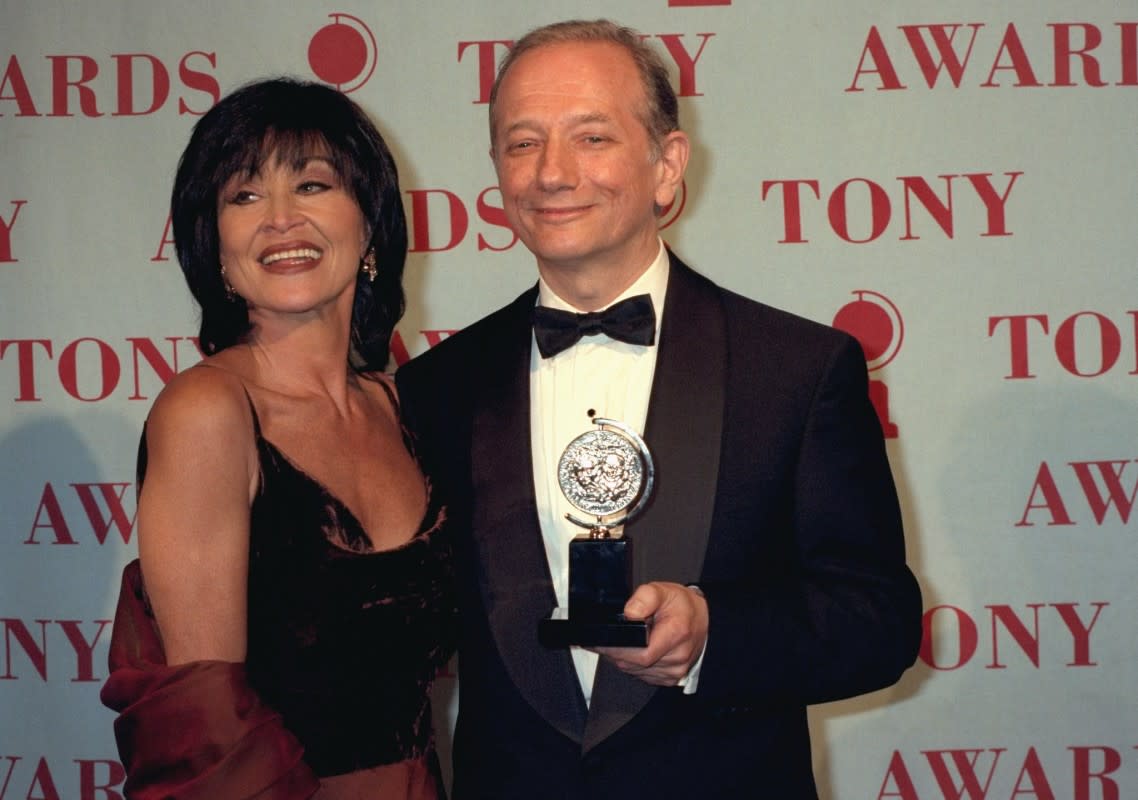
[
  {"x": 202, "y": 422},
  {"x": 203, "y": 400}
]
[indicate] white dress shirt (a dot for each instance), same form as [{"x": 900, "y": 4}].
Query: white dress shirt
[{"x": 599, "y": 374}]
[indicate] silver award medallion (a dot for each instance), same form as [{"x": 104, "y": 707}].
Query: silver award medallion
[{"x": 606, "y": 472}]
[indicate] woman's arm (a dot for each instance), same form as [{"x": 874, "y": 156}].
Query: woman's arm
[{"x": 193, "y": 515}]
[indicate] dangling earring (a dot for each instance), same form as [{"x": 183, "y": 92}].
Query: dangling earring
[
  {"x": 230, "y": 292},
  {"x": 367, "y": 266}
]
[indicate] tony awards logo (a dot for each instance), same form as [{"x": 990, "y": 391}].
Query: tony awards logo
[{"x": 607, "y": 474}]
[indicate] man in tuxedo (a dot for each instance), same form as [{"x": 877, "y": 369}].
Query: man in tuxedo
[{"x": 770, "y": 557}]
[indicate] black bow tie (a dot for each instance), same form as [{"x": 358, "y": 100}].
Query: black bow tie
[{"x": 632, "y": 320}]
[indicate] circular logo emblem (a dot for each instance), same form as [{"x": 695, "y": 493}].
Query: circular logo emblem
[
  {"x": 343, "y": 53},
  {"x": 876, "y": 323}
]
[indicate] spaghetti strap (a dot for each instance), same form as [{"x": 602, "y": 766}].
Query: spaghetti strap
[
  {"x": 248, "y": 397},
  {"x": 253, "y": 411},
  {"x": 389, "y": 390}
]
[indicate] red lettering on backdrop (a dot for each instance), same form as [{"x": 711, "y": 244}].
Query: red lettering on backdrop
[
  {"x": 496, "y": 216},
  {"x": 939, "y": 210},
  {"x": 8, "y": 777},
  {"x": 92, "y": 787},
  {"x": 1080, "y": 633},
  {"x": 1028, "y": 641},
  {"x": 6, "y": 226},
  {"x": 791, "y": 207},
  {"x": 1109, "y": 473},
  {"x": 967, "y": 637},
  {"x": 197, "y": 80},
  {"x": 487, "y": 64},
  {"x": 685, "y": 62},
  {"x": 942, "y": 37},
  {"x": 61, "y": 81},
  {"x": 1097, "y": 332},
  {"x": 166, "y": 240},
  {"x": 124, "y": 71},
  {"x": 400, "y": 354},
  {"x": 41, "y": 784},
  {"x": 109, "y": 369},
  {"x": 1017, "y": 330},
  {"x": 963, "y": 770},
  {"x": 947, "y": 625},
  {"x": 432, "y": 210},
  {"x": 25, "y": 365},
  {"x": 1110, "y": 343},
  {"x": 14, "y": 79},
  {"x": 902, "y": 782},
  {"x": 1050, "y": 499},
  {"x": 162, "y": 368},
  {"x": 1085, "y": 773},
  {"x": 434, "y": 337},
  {"x": 94, "y": 355},
  {"x": 15, "y": 628},
  {"x": 17, "y": 631},
  {"x": 1020, "y": 64},
  {"x": 880, "y": 210},
  {"x": 1064, "y": 51},
  {"x": 50, "y": 515},
  {"x": 1117, "y": 495},
  {"x": 995, "y": 204},
  {"x": 1032, "y": 771},
  {"x": 74, "y": 84},
  {"x": 1134, "y": 318},
  {"x": 673, "y": 43},
  {"x": 84, "y": 650},
  {"x": 112, "y": 495},
  {"x": 874, "y": 50},
  {"x": 969, "y": 773},
  {"x": 420, "y": 220},
  {"x": 953, "y": 54},
  {"x": 398, "y": 349},
  {"x": 1128, "y": 33}
]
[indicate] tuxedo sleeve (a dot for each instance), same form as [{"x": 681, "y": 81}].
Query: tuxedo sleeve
[{"x": 839, "y": 612}]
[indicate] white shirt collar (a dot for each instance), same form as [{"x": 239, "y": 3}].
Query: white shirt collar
[{"x": 653, "y": 282}]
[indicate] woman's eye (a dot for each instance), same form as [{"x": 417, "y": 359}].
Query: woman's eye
[
  {"x": 242, "y": 196},
  {"x": 313, "y": 187}
]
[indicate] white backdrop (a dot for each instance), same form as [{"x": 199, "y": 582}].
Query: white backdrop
[{"x": 951, "y": 181}]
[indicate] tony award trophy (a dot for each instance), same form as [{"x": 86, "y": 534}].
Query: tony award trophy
[{"x": 606, "y": 473}]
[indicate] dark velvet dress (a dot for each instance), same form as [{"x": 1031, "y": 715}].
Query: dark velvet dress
[{"x": 343, "y": 644}]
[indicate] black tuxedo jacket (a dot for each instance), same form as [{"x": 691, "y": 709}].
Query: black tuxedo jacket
[{"x": 773, "y": 494}]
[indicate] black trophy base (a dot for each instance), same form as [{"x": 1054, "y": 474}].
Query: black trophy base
[{"x": 559, "y": 630}]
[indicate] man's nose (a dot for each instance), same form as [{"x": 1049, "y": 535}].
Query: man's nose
[{"x": 557, "y": 168}]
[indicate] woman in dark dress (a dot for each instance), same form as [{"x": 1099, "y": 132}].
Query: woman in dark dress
[{"x": 292, "y": 600}]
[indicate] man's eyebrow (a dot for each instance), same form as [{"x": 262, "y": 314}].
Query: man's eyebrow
[{"x": 576, "y": 119}]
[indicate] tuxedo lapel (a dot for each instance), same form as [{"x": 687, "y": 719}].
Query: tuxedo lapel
[
  {"x": 684, "y": 432},
  {"x": 515, "y": 583}
]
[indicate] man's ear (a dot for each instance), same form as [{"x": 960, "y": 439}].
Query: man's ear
[{"x": 675, "y": 149}]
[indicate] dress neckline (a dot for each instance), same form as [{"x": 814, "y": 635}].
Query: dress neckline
[{"x": 426, "y": 525}]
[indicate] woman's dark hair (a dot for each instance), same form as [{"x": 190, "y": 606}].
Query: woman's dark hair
[{"x": 289, "y": 120}]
